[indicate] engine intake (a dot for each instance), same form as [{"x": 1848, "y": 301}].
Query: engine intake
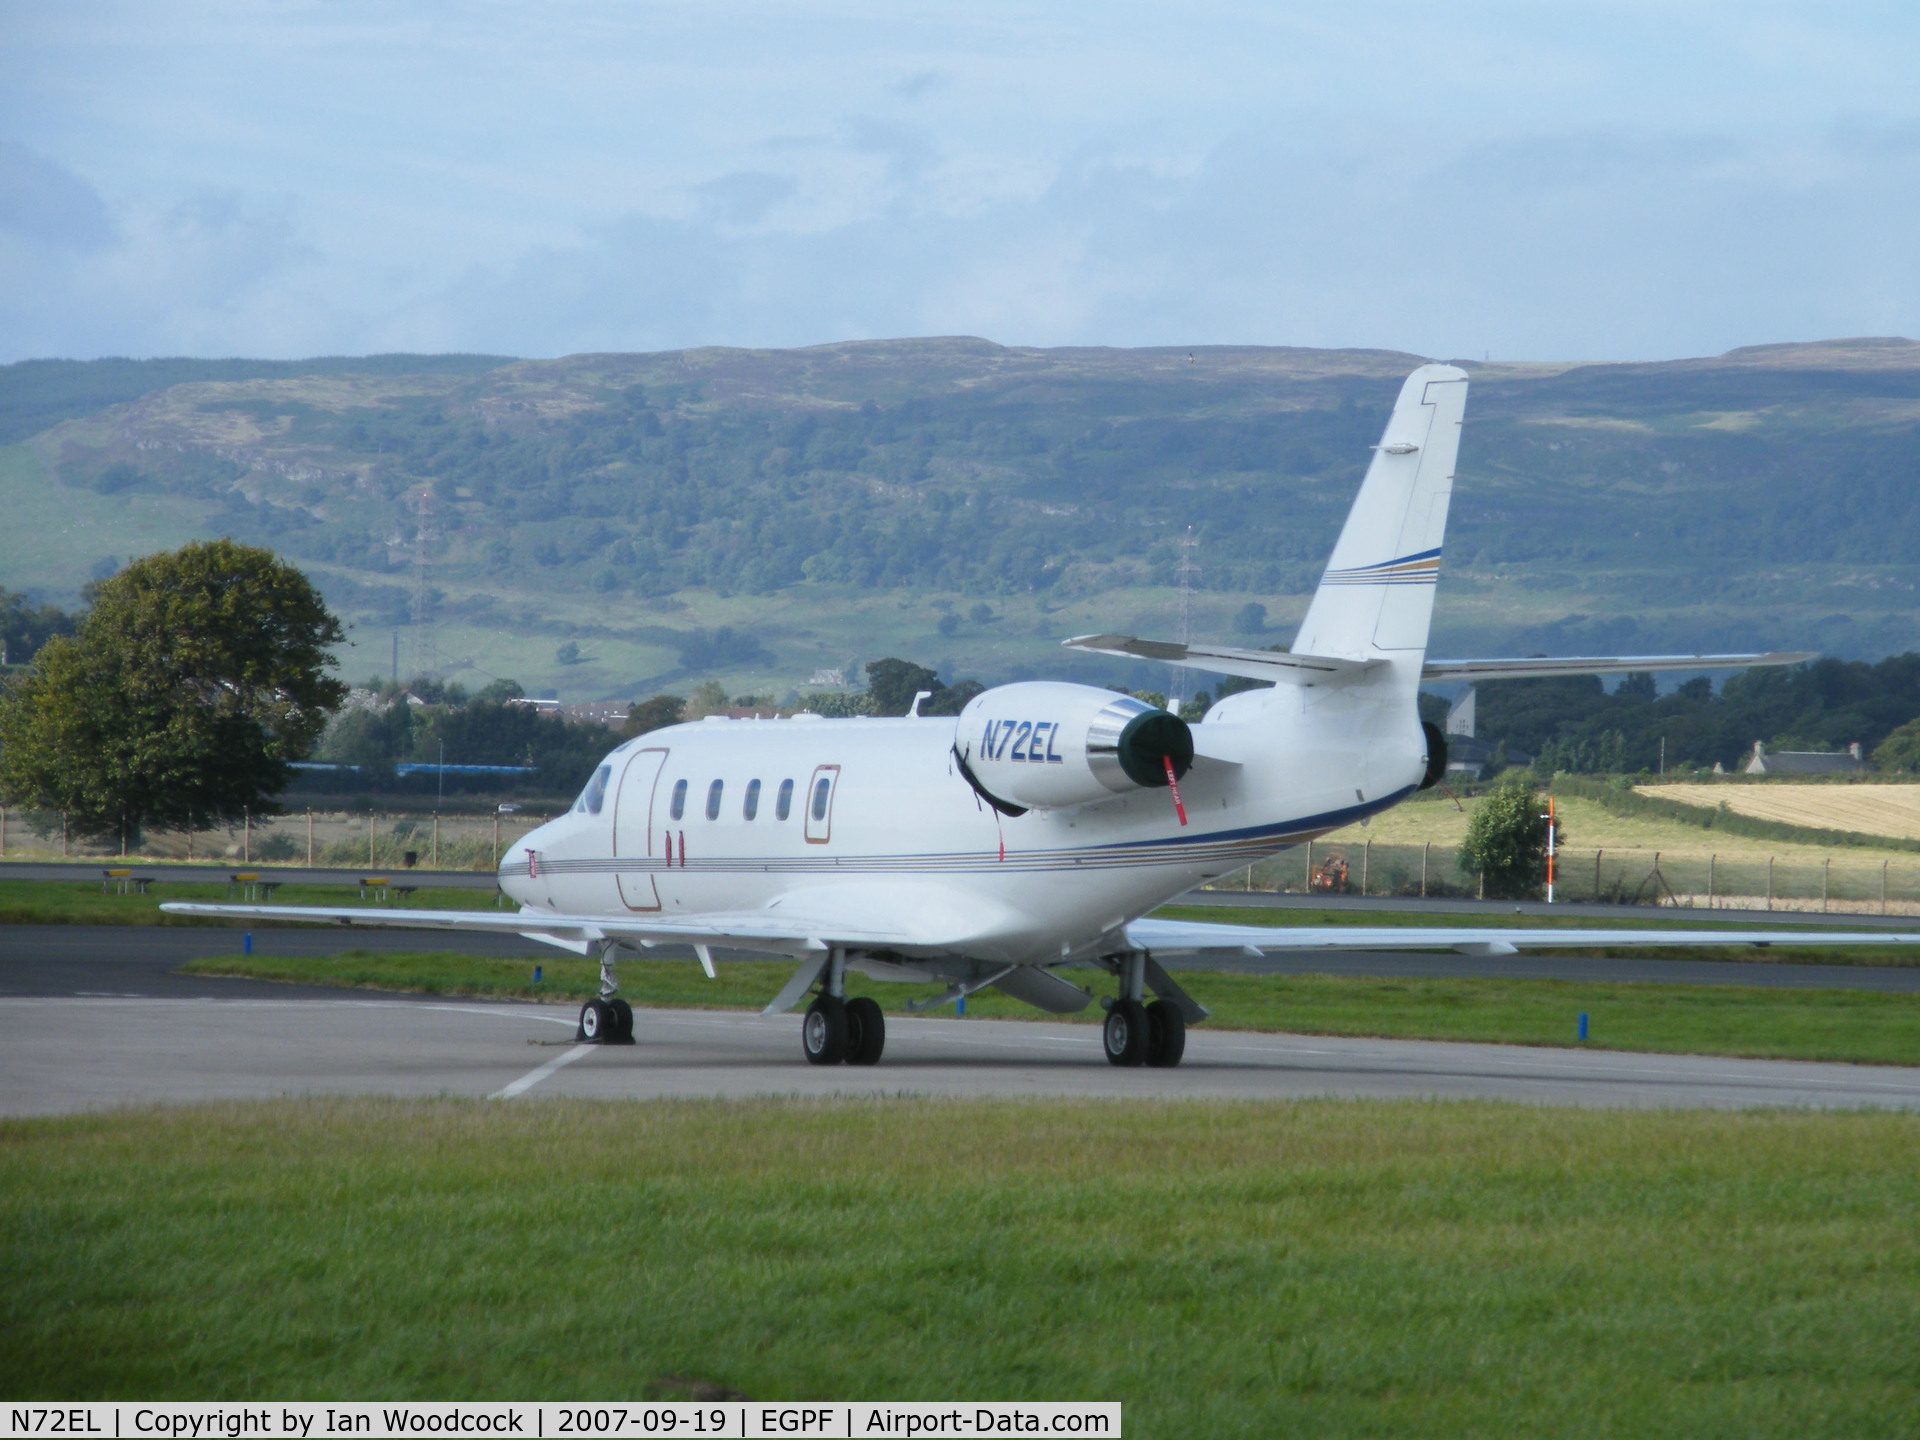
[{"x": 1043, "y": 745}]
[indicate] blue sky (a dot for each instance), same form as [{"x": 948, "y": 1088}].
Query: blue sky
[{"x": 1529, "y": 181}]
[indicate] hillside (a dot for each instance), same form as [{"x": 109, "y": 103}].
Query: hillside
[{"x": 763, "y": 514}]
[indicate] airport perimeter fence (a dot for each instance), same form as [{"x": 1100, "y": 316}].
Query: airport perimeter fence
[
  {"x": 1610, "y": 877},
  {"x": 378, "y": 840},
  {"x": 333, "y": 839}
]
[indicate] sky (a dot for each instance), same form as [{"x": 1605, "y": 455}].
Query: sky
[{"x": 1548, "y": 181}]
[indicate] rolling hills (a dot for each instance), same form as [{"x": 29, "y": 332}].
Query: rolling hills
[{"x": 761, "y": 515}]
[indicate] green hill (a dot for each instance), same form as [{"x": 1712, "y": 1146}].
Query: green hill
[{"x": 763, "y": 514}]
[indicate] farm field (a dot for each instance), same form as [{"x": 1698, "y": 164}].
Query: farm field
[
  {"x": 1865, "y": 809},
  {"x": 1313, "y": 1268},
  {"x": 1432, "y": 818}
]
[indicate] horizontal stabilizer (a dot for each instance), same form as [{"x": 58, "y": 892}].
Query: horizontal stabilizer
[
  {"x": 1540, "y": 666},
  {"x": 1272, "y": 665},
  {"x": 1198, "y": 937}
]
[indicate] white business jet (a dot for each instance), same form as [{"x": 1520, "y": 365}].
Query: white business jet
[{"x": 1030, "y": 834}]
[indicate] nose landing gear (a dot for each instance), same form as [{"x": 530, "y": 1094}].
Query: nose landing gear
[{"x": 606, "y": 1020}]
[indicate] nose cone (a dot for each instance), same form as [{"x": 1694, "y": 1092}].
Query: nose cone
[{"x": 518, "y": 876}]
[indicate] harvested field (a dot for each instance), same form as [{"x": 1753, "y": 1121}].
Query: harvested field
[{"x": 1865, "y": 809}]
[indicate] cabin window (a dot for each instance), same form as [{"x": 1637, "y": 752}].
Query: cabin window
[
  {"x": 822, "y": 788},
  {"x": 783, "y": 802},
  {"x": 595, "y": 795},
  {"x": 750, "y": 806},
  {"x": 713, "y": 799},
  {"x": 679, "y": 799}
]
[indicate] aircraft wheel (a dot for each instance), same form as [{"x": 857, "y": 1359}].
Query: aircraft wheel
[
  {"x": 1125, "y": 1034},
  {"x": 866, "y": 1031},
  {"x": 622, "y": 1033},
  {"x": 823, "y": 1033},
  {"x": 1166, "y": 1034},
  {"x": 596, "y": 1023}
]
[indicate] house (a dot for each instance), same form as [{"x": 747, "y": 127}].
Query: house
[
  {"x": 1805, "y": 762},
  {"x": 1466, "y": 754}
]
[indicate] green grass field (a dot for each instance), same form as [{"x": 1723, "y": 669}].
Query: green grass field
[
  {"x": 1313, "y": 1268},
  {"x": 1847, "y": 1025},
  {"x": 85, "y": 902}
]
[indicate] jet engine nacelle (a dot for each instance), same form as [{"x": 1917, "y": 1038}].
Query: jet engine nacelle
[{"x": 1042, "y": 745}]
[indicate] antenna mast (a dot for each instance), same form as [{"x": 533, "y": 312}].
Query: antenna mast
[{"x": 1177, "y": 687}]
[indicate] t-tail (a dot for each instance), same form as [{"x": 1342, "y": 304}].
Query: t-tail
[{"x": 1375, "y": 601}]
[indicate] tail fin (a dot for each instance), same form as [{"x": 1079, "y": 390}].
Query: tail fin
[{"x": 1375, "y": 600}]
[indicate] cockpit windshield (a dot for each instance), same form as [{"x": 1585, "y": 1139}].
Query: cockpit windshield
[{"x": 595, "y": 795}]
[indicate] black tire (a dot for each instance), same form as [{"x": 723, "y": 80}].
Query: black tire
[
  {"x": 622, "y": 1022},
  {"x": 1124, "y": 1035},
  {"x": 596, "y": 1023},
  {"x": 1166, "y": 1034},
  {"x": 866, "y": 1031},
  {"x": 823, "y": 1031}
]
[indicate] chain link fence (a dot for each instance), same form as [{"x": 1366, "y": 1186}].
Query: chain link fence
[
  {"x": 334, "y": 839},
  {"x": 382, "y": 840},
  {"x": 1841, "y": 882}
]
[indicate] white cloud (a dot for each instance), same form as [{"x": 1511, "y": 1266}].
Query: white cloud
[{"x": 1606, "y": 180}]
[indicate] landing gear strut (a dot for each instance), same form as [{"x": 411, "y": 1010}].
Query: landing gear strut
[
  {"x": 606, "y": 1020},
  {"x": 1138, "y": 1033},
  {"x": 837, "y": 1030}
]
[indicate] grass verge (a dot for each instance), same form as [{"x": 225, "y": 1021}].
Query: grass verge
[
  {"x": 85, "y": 902},
  {"x": 1845, "y": 1025},
  {"x": 1306, "y": 1268}
]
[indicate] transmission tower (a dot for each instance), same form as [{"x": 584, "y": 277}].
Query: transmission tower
[{"x": 424, "y": 645}]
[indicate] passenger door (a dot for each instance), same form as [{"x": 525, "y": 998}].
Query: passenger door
[
  {"x": 633, "y": 828},
  {"x": 819, "y": 803}
]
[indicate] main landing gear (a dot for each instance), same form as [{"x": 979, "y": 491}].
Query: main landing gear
[
  {"x": 1137, "y": 1033},
  {"x": 837, "y": 1030},
  {"x": 606, "y": 1020}
]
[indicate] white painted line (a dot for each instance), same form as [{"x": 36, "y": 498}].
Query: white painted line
[{"x": 533, "y": 1077}]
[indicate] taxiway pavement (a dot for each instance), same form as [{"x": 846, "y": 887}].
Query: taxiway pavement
[{"x": 60, "y": 1055}]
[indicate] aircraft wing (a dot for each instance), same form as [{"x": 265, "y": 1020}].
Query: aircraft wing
[
  {"x": 765, "y": 930},
  {"x": 1196, "y": 937},
  {"x": 1272, "y": 665},
  {"x": 1540, "y": 665}
]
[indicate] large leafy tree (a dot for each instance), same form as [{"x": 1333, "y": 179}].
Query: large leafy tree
[
  {"x": 1507, "y": 841},
  {"x": 194, "y": 680}
]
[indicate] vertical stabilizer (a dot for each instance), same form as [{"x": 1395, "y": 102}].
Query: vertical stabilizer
[{"x": 1375, "y": 600}]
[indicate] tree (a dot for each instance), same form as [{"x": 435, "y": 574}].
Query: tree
[
  {"x": 893, "y": 683},
  {"x": 1900, "y": 751},
  {"x": 25, "y": 627},
  {"x": 1507, "y": 841},
  {"x": 197, "y": 676},
  {"x": 709, "y": 698},
  {"x": 655, "y": 714}
]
